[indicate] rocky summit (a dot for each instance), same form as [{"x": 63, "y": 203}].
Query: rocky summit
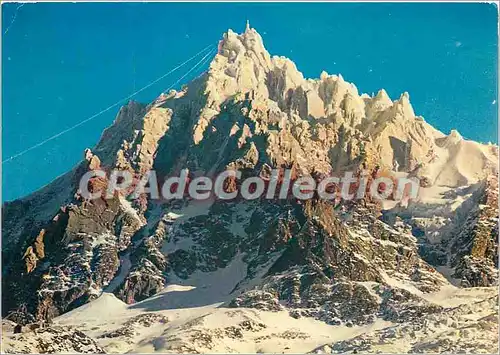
[{"x": 133, "y": 273}]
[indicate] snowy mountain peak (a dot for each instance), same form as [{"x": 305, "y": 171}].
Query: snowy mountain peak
[{"x": 225, "y": 275}]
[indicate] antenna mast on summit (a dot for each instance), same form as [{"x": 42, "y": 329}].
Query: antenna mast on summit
[{"x": 248, "y": 26}]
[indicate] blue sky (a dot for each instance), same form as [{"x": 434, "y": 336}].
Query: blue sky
[{"x": 63, "y": 62}]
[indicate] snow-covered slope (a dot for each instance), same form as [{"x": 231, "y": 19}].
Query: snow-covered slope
[{"x": 175, "y": 322}]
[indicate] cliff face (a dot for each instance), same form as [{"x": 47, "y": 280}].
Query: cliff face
[{"x": 251, "y": 111}]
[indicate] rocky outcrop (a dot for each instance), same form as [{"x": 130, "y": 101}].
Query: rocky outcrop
[
  {"x": 453, "y": 330},
  {"x": 50, "y": 340},
  {"x": 131, "y": 327},
  {"x": 464, "y": 239},
  {"x": 342, "y": 273},
  {"x": 475, "y": 248},
  {"x": 73, "y": 257}
]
